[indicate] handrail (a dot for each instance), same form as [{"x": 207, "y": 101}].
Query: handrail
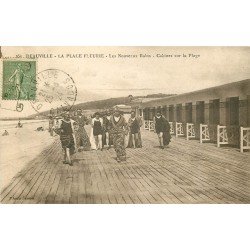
[
  {"x": 190, "y": 131},
  {"x": 151, "y": 126},
  {"x": 204, "y": 133},
  {"x": 179, "y": 129},
  {"x": 244, "y": 139},
  {"x": 171, "y": 128},
  {"x": 146, "y": 124},
  {"x": 222, "y": 138}
]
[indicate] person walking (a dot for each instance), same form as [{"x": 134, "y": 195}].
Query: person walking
[
  {"x": 118, "y": 131},
  {"x": 51, "y": 125},
  {"x": 67, "y": 137},
  {"x": 97, "y": 125},
  {"x": 106, "y": 137},
  {"x": 162, "y": 128},
  {"x": 82, "y": 138},
  {"x": 134, "y": 124}
]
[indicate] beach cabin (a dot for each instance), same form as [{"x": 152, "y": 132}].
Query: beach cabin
[{"x": 219, "y": 114}]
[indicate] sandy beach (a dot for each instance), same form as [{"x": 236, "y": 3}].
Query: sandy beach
[{"x": 21, "y": 146}]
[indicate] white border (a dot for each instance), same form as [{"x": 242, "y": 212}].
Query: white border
[{"x": 127, "y": 23}]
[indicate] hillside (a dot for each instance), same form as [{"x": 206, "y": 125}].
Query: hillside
[{"x": 107, "y": 103}]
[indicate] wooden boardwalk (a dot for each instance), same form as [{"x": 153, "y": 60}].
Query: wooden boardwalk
[{"x": 186, "y": 172}]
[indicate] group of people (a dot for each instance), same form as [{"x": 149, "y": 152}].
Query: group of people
[{"x": 107, "y": 130}]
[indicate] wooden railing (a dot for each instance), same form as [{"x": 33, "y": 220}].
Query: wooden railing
[
  {"x": 190, "y": 132},
  {"x": 222, "y": 135},
  {"x": 146, "y": 124},
  {"x": 204, "y": 133},
  {"x": 151, "y": 126},
  {"x": 179, "y": 129},
  {"x": 244, "y": 139},
  {"x": 222, "y": 138},
  {"x": 171, "y": 128}
]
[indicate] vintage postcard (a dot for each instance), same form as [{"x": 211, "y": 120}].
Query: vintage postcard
[{"x": 125, "y": 125}]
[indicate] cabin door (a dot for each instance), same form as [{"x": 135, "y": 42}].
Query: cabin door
[{"x": 200, "y": 112}]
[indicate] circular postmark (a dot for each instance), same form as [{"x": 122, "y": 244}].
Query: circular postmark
[{"x": 55, "y": 89}]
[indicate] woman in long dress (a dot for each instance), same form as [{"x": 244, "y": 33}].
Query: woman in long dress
[
  {"x": 134, "y": 124},
  {"x": 162, "y": 128},
  {"x": 118, "y": 131},
  {"x": 82, "y": 139}
]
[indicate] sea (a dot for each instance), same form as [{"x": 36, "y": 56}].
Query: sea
[{"x": 9, "y": 124}]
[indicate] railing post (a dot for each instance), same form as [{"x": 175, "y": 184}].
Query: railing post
[
  {"x": 151, "y": 126},
  {"x": 241, "y": 139},
  {"x": 244, "y": 138},
  {"x": 218, "y": 136},
  {"x": 146, "y": 124},
  {"x": 171, "y": 128},
  {"x": 200, "y": 133},
  {"x": 190, "y": 132},
  {"x": 204, "y": 133},
  {"x": 176, "y": 130},
  {"x": 179, "y": 129},
  {"x": 222, "y": 135}
]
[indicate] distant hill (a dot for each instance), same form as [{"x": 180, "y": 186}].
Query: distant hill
[
  {"x": 160, "y": 95},
  {"x": 106, "y": 104},
  {"x": 93, "y": 105},
  {"x": 102, "y": 104}
]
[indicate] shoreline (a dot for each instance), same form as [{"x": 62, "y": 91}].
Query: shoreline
[{"x": 20, "y": 147}]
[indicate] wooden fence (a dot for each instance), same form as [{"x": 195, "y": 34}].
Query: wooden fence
[
  {"x": 244, "y": 139},
  {"x": 190, "y": 131},
  {"x": 171, "y": 128},
  {"x": 204, "y": 133},
  {"x": 221, "y": 137}
]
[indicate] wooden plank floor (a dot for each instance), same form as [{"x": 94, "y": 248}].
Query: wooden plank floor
[{"x": 185, "y": 172}]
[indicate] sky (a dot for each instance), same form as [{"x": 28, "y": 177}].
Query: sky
[{"x": 122, "y": 71}]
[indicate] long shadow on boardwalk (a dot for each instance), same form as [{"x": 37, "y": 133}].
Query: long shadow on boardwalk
[{"x": 186, "y": 172}]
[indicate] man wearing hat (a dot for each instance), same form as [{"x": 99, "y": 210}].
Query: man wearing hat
[
  {"x": 118, "y": 131},
  {"x": 82, "y": 138},
  {"x": 162, "y": 128}
]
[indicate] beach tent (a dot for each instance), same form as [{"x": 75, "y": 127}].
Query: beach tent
[{"x": 124, "y": 108}]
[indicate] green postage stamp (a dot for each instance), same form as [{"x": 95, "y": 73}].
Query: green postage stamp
[{"x": 19, "y": 80}]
